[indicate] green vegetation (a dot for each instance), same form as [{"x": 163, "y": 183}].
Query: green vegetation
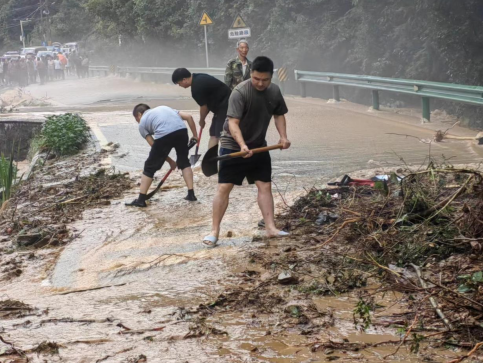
[
  {"x": 64, "y": 134},
  {"x": 8, "y": 175},
  {"x": 416, "y": 39}
]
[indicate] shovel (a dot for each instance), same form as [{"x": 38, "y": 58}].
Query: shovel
[
  {"x": 150, "y": 195},
  {"x": 209, "y": 166},
  {"x": 194, "y": 158}
]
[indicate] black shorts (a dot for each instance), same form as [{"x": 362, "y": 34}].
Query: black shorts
[
  {"x": 219, "y": 120},
  {"x": 161, "y": 149},
  {"x": 256, "y": 168}
]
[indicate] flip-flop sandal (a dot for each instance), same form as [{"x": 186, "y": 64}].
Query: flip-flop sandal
[
  {"x": 280, "y": 235},
  {"x": 210, "y": 241}
]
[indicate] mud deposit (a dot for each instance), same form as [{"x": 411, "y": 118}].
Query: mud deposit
[{"x": 137, "y": 285}]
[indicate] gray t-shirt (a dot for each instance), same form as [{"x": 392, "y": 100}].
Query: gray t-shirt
[
  {"x": 254, "y": 109},
  {"x": 160, "y": 121}
]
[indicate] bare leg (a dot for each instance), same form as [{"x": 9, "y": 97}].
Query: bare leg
[
  {"x": 220, "y": 204},
  {"x": 213, "y": 141},
  {"x": 188, "y": 177},
  {"x": 145, "y": 184},
  {"x": 265, "y": 202}
]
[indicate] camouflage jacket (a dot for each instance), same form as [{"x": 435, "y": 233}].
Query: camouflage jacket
[{"x": 234, "y": 72}]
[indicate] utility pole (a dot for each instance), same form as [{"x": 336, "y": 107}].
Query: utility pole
[
  {"x": 41, "y": 19},
  {"x": 21, "y": 27}
]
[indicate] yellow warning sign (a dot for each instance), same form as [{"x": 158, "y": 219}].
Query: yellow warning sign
[
  {"x": 239, "y": 22},
  {"x": 206, "y": 20}
]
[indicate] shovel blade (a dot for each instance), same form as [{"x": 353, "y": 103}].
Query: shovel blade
[
  {"x": 194, "y": 159},
  {"x": 209, "y": 165}
]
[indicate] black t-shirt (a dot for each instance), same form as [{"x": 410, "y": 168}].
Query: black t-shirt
[
  {"x": 254, "y": 109},
  {"x": 209, "y": 91}
]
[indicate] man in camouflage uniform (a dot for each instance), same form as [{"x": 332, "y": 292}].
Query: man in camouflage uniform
[{"x": 238, "y": 69}]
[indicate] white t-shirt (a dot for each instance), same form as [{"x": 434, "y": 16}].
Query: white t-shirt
[
  {"x": 57, "y": 64},
  {"x": 160, "y": 121}
]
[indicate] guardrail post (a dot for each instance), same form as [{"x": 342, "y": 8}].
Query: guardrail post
[
  {"x": 336, "y": 94},
  {"x": 302, "y": 90},
  {"x": 375, "y": 100},
  {"x": 426, "y": 108}
]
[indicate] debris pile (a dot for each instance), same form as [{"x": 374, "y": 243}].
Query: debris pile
[
  {"x": 419, "y": 235},
  {"x": 38, "y": 213}
]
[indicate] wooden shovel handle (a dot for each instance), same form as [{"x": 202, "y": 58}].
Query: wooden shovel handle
[{"x": 255, "y": 151}]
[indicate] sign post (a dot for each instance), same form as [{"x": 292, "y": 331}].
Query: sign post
[{"x": 206, "y": 20}]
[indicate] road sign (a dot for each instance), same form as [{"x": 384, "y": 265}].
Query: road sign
[
  {"x": 206, "y": 20},
  {"x": 239, "y": 33},
  {"x": 239, "y": 22}
]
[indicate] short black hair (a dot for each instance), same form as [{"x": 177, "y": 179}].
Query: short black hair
[
  {"x": 262, "y": 64},
  {"x": 141, "y": 108},
  {"x": 179, "y": 74}
]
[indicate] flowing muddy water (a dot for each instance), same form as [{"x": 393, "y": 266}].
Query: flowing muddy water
[
  {"x": 157, "y": 271},
  {"x": 156, "y": 266}
]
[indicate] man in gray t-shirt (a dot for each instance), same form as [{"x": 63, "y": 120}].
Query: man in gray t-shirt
[
  {"x": 252, "y": 105},
  {"x": 164, "y": 129}
]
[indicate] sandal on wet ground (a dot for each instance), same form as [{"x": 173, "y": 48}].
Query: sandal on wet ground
[
  {"x": 280, "y": 234},
  {"x": 210, "y": 241}
]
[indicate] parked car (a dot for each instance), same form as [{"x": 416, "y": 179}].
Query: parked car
[
  {"x": 12, "y": 55},
  {"x": 73, "y": 46},
  {"x": 33, "y": 50},
  {"x": 46, "y": 53}
]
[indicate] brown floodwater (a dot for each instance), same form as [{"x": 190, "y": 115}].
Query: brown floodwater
[
  {"x": 153, "y": 265},
  {"x": 156, "y": 265}
]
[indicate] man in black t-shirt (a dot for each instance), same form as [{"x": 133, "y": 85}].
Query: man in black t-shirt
[
  {"x": 252, "y": 105},
  {"x": 210, "y": 94}
]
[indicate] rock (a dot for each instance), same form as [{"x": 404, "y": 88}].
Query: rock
[
  {"x": 286, "y": 278},
  {"x": 293, "y": 310},
  {"x": 287, "y": 249},
  {"x": 331, "y": 358},
  {"x": 26, "y": 240},
  {"x": 476, "y": 246},
  {"x": 329, "y": 351},
  {"x": 229, "y": 234},
  {"x": 322, "y": 219}
]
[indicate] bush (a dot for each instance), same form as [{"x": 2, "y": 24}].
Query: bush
[
  {"x": 65, "y": 134},
  {"x": 8, "y": 175}
]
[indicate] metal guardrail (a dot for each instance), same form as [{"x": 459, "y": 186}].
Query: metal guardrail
[
  {"x": 123, "y": 71},
  {"x": 424, "y": 89},
  {"x": 168, "y": 70}
]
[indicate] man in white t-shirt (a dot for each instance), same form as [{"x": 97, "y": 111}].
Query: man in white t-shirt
[{"x": 164, "y": 129}]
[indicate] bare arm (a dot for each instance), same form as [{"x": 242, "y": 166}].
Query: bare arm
[
  {"x": 203, "y": 113},
  {"x": 281, "y": 125},
  {"x": 191, "y": 123},
  {"x": 150, "y": 140},
  {"x": 235, "y": 132}
]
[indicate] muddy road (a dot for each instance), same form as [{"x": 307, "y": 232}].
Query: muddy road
[{"x": 151, "y": 263}]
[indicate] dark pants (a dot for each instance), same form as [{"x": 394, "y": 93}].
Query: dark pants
[{"x": 161, "y": 149}]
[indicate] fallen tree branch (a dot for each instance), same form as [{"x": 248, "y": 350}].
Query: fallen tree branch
[
  {"x": 140, "y": 331},
  {"x": 470, "y": 353},
  {"x": 92, "y": 289},
  {"x": 433, "y": 301},
  {"x": 405, "y": 337},
  {"x": 17, "y": 351},
  {"x": 453, "y": 292}
]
